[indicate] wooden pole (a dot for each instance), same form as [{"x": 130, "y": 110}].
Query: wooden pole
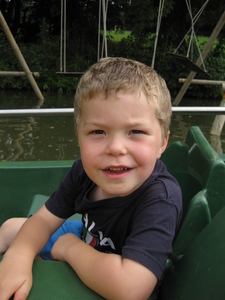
[
  {"x": 203, "y": 81},
  {"x": 219, "y": 120},
  {"x": 20, "y": 57},
  {"x": 205, "y": 51},
  {"x": 12, "y": 73}
]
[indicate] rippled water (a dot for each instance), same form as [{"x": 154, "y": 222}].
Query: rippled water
[{"x": 52, "y": 138}]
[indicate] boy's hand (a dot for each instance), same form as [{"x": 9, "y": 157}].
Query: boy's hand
[
  {"x": 61, "y": 246},
  {"x": 15, "y": 277},
  {"x": 16, "y": 266}
]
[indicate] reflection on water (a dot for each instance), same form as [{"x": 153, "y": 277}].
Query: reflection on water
[
  {"x": 37, "y": 138},
  {"x": 52, "y": 138},
  {"x": 181, "y": 123},
  {"x": 15, "y": 132}
]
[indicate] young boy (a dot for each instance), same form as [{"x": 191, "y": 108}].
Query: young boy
[{"x": 131, "y": 206}]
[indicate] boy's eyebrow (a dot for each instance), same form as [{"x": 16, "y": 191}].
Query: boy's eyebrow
[{"x": 127, "y": 124}]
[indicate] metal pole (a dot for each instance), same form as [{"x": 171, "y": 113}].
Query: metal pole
[
  {"x": 205, "y": 51},
  {"x": 9, "y": 73},
  {"x": 20, "y": 57},
  {"x": 184, "y": 110},
  {"x": 61, "y": 37},
  {"x": 104, "y": 26},
  {"x": 161, "y": 5},
  {"x": 64, "y": 35},
  {"x": 99, "y": 28}
]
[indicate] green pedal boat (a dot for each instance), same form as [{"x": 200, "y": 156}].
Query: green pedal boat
[{"x": 196, "y": 268}]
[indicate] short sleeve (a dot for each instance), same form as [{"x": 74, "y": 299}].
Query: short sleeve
[{"x": 152, "y": 234}]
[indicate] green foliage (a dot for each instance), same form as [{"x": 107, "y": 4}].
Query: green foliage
[
  {"x": 171, "y": 69},
  {"x": 117, "y": 35},
  {"x": 44, "y": 58}
]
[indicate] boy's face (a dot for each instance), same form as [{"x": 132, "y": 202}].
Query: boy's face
[{"x": 120, "y": 139}]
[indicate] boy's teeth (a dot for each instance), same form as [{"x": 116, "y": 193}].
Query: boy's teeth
[{"x": 115, "y": 170}]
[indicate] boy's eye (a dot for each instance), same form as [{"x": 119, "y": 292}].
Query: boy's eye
[
  {"x": 137, "y": 132},
  {"x": 98, "y": 132}
]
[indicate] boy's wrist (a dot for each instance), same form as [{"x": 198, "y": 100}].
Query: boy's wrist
[
  {"x": 73, "y": 247},
  {"x": 65, "y": 247},
  {"x": 20, "y": 254}
]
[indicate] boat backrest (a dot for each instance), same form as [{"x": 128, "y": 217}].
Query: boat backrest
[
  {"x": 196, "y": 165},
  {"x": 39, "y": 200},
  {"x": 199, "y": 274},
  {"x": 201, "y": 174}
]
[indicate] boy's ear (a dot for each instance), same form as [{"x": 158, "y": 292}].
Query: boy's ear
[{"x": 164, "y": 144}]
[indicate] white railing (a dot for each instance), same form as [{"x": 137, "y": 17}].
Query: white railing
[{"x": 192, "y": 110}]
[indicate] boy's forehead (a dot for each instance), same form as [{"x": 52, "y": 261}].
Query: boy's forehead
[
  {"x": 137, "y": 94},
  {"x": 125, "y": 102}
]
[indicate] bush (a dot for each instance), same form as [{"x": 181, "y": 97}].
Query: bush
[
  {"x": 171, "y": 69},
  {"x": 43, "y": 57}
]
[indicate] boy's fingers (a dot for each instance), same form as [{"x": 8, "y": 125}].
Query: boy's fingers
[
  {"x": 23, "y": 291},
  {"x": 20, "y": 294}
]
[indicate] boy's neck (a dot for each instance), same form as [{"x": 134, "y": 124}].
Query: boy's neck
[{"x": 97, "y": 194}]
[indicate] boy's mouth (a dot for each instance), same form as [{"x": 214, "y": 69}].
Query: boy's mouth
[{"x": 119, "y": 170}]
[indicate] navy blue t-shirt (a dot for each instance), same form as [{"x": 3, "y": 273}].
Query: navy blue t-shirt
[{"x": 140, "y": 226}]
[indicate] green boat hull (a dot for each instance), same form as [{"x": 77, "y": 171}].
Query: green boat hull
[{"x": 196, "y": 268}]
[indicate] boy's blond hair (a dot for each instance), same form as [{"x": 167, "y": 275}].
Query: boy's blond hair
[{"x": 112, "y": 75}]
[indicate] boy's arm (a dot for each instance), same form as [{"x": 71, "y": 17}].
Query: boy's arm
[
  {"x": 109, "y": 275},
  {"x": 16, "y": 265}
]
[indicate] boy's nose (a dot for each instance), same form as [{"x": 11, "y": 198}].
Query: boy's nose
[{"x": 115, "y": 147}]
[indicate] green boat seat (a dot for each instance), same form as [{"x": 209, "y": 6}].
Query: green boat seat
[
  {"x": 194, "y": 164},
  {"x": 39, "y": 200},
  {"x": 20, "y": 181},
  {"x": 199, "y": 274},
  {"x": 201, "y": 174},
  {"x": 53, "y": 280},
  {"x": 195, "y": 220}
]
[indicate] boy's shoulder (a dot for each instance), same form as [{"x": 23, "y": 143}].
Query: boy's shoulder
[
  {"x": 162, "y": 182},
  {"x": 160, "y": 172}
]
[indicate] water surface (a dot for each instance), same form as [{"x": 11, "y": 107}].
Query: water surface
[{"x": 53, "y": 138}]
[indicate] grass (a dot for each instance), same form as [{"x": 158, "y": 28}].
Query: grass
[
  {"x": 202, "y": 40},
  {"x": 117, "y": 36}
]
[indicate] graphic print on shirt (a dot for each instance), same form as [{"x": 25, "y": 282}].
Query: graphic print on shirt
[{"x": 99, "y": 242}]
